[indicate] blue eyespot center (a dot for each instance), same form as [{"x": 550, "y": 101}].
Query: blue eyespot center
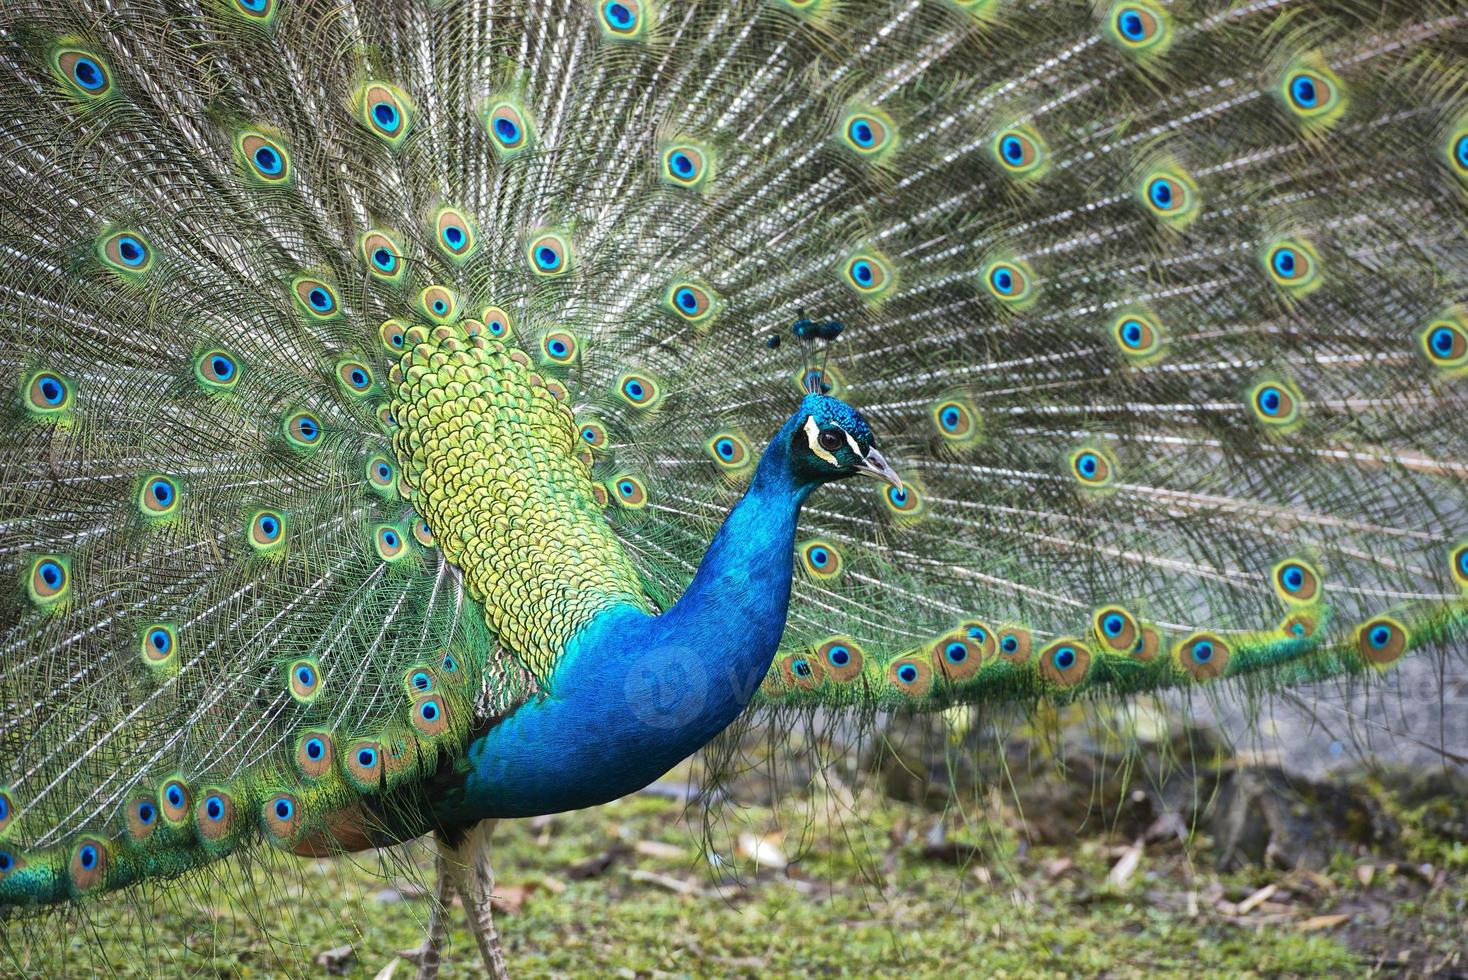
[
  {"x": 634, "y": 389},
  {"x": 386, "y": 115},
  {"x": 506, "y": 130},
  {"x": 52, "y": 573},
  {"x": 175, "y": 796},
  {"x": 1461, "y": 152},
  {"x": 314, "y": 748},
  {"x": 1270, "y": 400},
  {"x": 1303, "y": 92},
  {"x": 305, "y": 676},
  {"x": 1012, "y": 149},
  {"x": 160, "y": 640},
  {"x": 269, "y": 526},
  {"x": 1380, "y": 636},
  {"x": 907, "y": 673},
  {"x": 1003, "y": 280},
  {"x": 422, "y": 681},
  {"x": 1065, "y": 658},
  {"x": 52, "y": 389},
  {"x": 1284, "y": 262},
  {"x": 131, "y": 250},
  {"x": 390, "y": 538},
  {"x": 214, "y": 808},
  {"x": 454, "y": 235},
  {"x": 319, "y": 299},
  {"x": 429, "y": 711},
  {"x": 283, "y": 809},
  {"x": 682, "y": 164},
  {"x": 6, "y": 861},
  {"x": 222, "y": 366},
  {"x": 956, "y": 653},
  {"x": 1161, "y": 193},
  {"x": 1129, "y": 22},
  {"x": 162, "y": 492},
  {"x": 383, "y": 258},
  {"x": 547, "y": 257},
  {"x": 88, "y": 856},
  {"x": 366, "y": 758},
  {"x": 950, "y": 418},
  {"x": 819, "y": 557},
  {"x": 267, "y": 160},
  {"x": 1202, "y": 651},
  {"x": 384, "y": 471},
  {"x": 88, "y": 74},
  {"x": 1294, "y": 578},
  {"x": 1113, "y": 624},
  {"x": 687, "y": 299},
  {"x": 1009, "y": 644},
  {"x": 862, "y": 134},
  {"x": 862, "y": 273},
  {"x": 839, "y": 656},
  {"x": 618, "y": 15},
  {"x": 146, "y": 813},
  {"x": 1442, "y": 341}
]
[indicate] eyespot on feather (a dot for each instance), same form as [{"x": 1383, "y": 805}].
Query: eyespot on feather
[
  {"x": 686, "y": 165},
  {"x": 869, "y": 133},
  {"x": 730, "y": 451},
  {"x": 48, "y": 395},
  {"x": 126, "y": 252},
  {"x": 90, "y": 861},
  {"x": 85, "y": 72},
  {"x": 628, "y": 490},
  {"x": 802, "y": 671},
  {"x": 315, "y": 298},
  {"x": 281, "y": 819},
  {"x": 430, "y": 715},
  {"x": 559, "y": 347},
  {"x": 1202, "y": 656},
  {"x": 1020, "y": 152},
  {"x": 912, "y": 675},
  {"x": 1445, "y": 341},
  {"x": 315, "y": 752},
  {"x": 1015, "y": 644},
  {"x": 956, "y": 420},
  {"x": 1139, "y": 28},
  {"x": 691, "y": 301},
  {"x": 1293, "y": 265},
  {"x": 266, "y": 532},
  {"x": 956, "y": 657},
  {"x": 981, "y": 636},
  {"x": 302, "y": 431},
  {"x": 1011, "y": 282},
  {"x": 386, "y": 112},
  {"x": 1381, "y": 641},
  {"x": 142, "y": 817},
  {"x": 1138, "y": 335},
  {"x": 453, "y": 233},
  {"x": 820, "y": 559},
  {"x": 264, "y": 158},
  {"x": 383, "y": 255},
  {"x": 549, "y": 253},
  {"x": 1065, "y": 662},
  {"x": 868, "y": 274},
  {"x": 438, "y": 303},
  {"x": 174, "y": 797},
  {"x": 216, "y": 371},
  {"x": 1276, "y": 404},
  {"x": 214, "y": 815},
  {"x": 625, "y": 20},
  {"x": 841, "y": 658},
  {"x": 1115, "y": 628},
  {"x": 48, "y": 580},
  {"x": 304, "y": 679},
  {"x": 511, "y": 132},
  {"x": 363, "y": 762},
  {"x": 1296, "y": 581},
  {"x": 640, "y": 390}
]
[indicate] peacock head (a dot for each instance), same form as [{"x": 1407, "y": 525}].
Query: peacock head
[{"x": 831, "y": 441}]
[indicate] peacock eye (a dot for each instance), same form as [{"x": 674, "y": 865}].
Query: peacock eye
[{"x": 830, "y": 440}]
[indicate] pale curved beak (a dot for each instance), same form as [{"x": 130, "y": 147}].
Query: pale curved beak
[{"x": 875, "y": 466}]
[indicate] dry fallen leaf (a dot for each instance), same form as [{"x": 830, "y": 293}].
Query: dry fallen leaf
[
  {"x": 1126, "y": 866},
  {"x": 1323, "y": 922},
  {"x": 1252, "y": 902},
  {"x": 510, "y": 899}
]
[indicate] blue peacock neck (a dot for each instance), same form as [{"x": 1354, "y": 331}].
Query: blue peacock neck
[{"x": 635, "y": 694}]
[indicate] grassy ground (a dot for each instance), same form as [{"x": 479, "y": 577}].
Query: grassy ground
[{"x": 826, "y": 882}]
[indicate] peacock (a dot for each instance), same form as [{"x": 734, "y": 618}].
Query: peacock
[{"x": 420, "y": 413}]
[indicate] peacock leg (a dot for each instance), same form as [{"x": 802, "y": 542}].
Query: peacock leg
[
  {"x": 445, "y": 886},
  {"x": 477, "y": 887}
]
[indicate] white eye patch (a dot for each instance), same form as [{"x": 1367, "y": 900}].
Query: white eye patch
[{"x": 813, "y": 437}]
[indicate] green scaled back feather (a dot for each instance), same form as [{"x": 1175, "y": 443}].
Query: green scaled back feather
[{"x": 1159, "y": 309}]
